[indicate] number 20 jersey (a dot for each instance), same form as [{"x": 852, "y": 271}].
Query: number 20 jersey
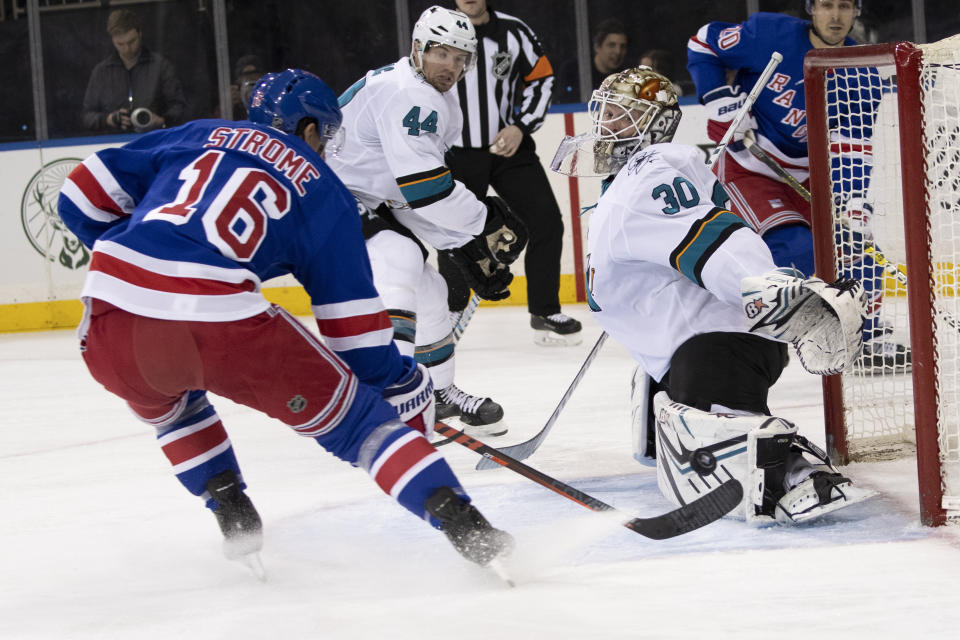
[
  {"x": 664, "y": 261},
  {"x": 186, "y": 223}
]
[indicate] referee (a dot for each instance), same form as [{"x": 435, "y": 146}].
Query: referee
[{"x": 504, "y": 100}]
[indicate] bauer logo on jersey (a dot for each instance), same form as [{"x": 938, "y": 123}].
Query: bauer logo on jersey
[
  {"x": 754, "y": 307},
  {"x": 41, "y": 222},
  {"x": 501, "y": 63}
]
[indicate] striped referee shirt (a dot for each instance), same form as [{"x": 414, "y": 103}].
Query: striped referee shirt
[{"x": 512, "y": 82}]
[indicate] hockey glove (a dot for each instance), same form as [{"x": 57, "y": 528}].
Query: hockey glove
[
  {"x": 488, "y": 279},
  {"x": 412, "y": 395},
  {"x": 504, "y": 234},
  {"x": 722, "y": 105}
]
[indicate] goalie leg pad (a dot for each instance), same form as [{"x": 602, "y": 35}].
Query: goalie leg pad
[
  {"x": 822, "y": 321},
  {"x": 642, "y": 427},
  {"x": 698, "y": 450}
]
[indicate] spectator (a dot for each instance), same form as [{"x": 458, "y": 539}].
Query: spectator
[
  {"x": 609, "y": 50},
  {"x": 246, "y": 72},
  {"x": 133, "y": 89},
  {"x": 496, "y": 150},
  {"x": 662, "y": 61}
]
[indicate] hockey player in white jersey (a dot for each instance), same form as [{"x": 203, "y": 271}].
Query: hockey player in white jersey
[
  {"x": 400, "y": 120},
  {"x": 694, "y": 295}
]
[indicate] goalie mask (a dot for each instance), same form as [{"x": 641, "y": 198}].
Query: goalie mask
[{"x": 631, "y": 110}]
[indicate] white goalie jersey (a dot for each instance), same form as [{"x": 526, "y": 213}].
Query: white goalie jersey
[
  {"x": 398, "y": 128},
  {"x": 665, "y": 259}
]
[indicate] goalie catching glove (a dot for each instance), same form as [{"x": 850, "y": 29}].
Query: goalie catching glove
[
  {"x": 484, "y": 260},
  {"x": 824, "y": 322}
]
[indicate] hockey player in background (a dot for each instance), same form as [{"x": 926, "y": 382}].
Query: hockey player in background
[
  {"x": 399, "y": 121},
  {"x": 184, "y": 225},
  {"x": 695, "y": 296},
  {"x": 778, "y": 120}
]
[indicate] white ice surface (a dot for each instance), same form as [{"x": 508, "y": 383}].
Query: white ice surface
[{"x": 98, "y": 540}]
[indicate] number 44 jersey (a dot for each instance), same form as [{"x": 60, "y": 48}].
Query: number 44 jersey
[
  {"x": 665, "y": 258},
  {"x": 186, "y": 223},
  {"x": 398, "y": 128}
]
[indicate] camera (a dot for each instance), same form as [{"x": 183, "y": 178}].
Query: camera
[{"x": 141, "y": 118}]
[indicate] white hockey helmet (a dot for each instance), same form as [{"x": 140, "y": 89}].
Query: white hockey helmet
[
  {"x": 631, "y": 110},
  {"x": 439, "y": 25},
  {"x": 857, "y": 5}
]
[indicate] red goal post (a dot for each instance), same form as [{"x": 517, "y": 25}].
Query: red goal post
[{"x": 910, "y": 138}]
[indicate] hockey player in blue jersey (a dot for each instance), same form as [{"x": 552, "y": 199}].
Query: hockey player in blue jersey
[
  {"x": 184, "y": 226},
  {"x": 778, "y": 121}
]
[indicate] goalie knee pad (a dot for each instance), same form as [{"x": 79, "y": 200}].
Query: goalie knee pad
[
  {"x": 698, "y": 450},
  {"x": 822, "y": 321},
  {"x": 642, "y": 428}
]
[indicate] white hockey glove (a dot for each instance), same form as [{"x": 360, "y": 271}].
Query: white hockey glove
[
  {"x": 412, "y": 395},
  {"x": 722, "y": 105},
  {"x": 824, "y": 322}
]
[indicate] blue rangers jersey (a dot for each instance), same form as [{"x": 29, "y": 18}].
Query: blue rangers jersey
[
  {"x": 186, "y": 224},
  {"x": 664, "y": 261}
]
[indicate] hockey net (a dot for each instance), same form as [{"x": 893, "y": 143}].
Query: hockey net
[{"x": 894, "y": 109}]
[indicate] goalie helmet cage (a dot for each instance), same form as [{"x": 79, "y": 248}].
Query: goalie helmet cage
[{"x": 904, "y": 105}]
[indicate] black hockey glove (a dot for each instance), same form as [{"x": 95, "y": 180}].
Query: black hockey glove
[
  {"x": 504, "y": 234},
  {"x": 488, "y": 279}
]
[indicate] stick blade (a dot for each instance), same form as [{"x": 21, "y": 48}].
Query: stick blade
[{"x": 701, "y": 512}]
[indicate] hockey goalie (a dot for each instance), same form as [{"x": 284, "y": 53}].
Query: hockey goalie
[{"x": 693, "y": 293}]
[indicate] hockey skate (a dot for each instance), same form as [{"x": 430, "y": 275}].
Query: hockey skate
[
  {"x": 237, "y": 517},
  {"x": 480, "y": 417},
  {"x": 557, "y": 329},
  {"x": 822, "y": 492},
  {"x": 813, "y": 490},
  {"x": 466, "y": 528},
  {"x": 882, "y": 353}
]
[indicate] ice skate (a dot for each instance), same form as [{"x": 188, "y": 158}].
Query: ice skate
[
  {"x": 557, "y": 329},
  {"x": 466, "y": 528},
  {"x": 822, "y": 492},
  {"x": 882, "y": 353},
  {"x": 480, "y": 417},
  {"x": 238, "y": 520}
]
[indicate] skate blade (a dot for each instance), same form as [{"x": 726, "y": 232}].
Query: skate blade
[
  {"x": 492, "y": 430},
  {"x": 501, "y": 572},
  {"x": 855, "y": 495},
  {"x": 253, "y": 562},
  {"x": 546, "y": 338}
]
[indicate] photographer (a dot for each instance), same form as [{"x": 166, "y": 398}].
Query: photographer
[{"x": 133, "y": 89}]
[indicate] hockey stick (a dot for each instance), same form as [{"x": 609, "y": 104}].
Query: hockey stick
[
  {"x": 465, "y": 316},
  {"x": 750, "y": 143},
  {"x": 524, "y": 450},
  {"x": 702, "y": 511},
  {"x": 775, "y": 59}
]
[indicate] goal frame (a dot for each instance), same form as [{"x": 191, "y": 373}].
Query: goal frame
[{"x": 908, "y": 59}]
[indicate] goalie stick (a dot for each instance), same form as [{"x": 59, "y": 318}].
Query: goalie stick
[
  {"x": 524, "y": 450},
  {"x": 706, "y": 509}
]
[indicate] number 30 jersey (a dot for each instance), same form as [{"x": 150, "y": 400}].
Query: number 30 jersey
[
  {"x": 186, "y": 223},
  {"x": 398, "y": 129},
  {"x": 664, "y": 260}
]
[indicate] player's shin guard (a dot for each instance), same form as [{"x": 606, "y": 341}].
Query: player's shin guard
[
  {"x": 697, "y": 450},
  {"x": 197, "y": 446},
  {"x": 407, "y": 467}
]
